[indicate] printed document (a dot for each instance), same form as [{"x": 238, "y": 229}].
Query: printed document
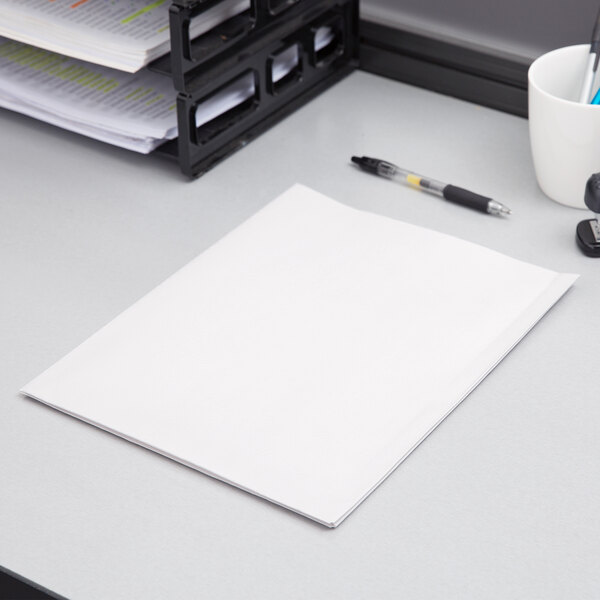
[
  {"x": 123, "y": 34},
  {"x": 135, "y": 111},
  {"x": 307, "y": 353}
]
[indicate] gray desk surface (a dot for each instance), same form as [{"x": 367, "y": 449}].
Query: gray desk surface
[{"x": 500, "y": 502}]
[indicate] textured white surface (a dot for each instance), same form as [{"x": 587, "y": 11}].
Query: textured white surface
[{"x": 500, "y": 502}]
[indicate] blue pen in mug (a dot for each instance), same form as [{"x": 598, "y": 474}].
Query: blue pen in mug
[{"x": 591, "y": 67}]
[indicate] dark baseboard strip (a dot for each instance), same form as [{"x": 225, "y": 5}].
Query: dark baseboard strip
[
  {"x": 450, "y": 67},
  {"x": 16, "y": 587}
]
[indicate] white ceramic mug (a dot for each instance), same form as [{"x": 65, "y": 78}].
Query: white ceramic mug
[{"x": 564, "y": 134}]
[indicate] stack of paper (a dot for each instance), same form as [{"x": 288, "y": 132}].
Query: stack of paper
[
  {"x": 306, "y": 354},
  {"x": 134, "y": 111},
  {"x": 124, "y": 35}
]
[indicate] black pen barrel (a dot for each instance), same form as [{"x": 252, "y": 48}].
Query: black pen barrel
[{"x": 464, "y": 197}]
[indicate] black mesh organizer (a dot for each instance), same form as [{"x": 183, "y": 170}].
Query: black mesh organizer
[{"x": 248, "y": 47}]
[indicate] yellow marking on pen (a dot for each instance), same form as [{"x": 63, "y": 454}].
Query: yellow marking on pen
[{"x": 414, "y": 179}]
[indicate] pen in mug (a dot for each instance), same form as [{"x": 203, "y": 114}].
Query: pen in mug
[{"x": 592, "y": 65}]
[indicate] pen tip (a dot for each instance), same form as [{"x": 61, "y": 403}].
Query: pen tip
[{"x": 496, "y": 208}]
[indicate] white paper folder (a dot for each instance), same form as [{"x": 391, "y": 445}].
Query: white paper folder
[{"x": 307, "y": 353}]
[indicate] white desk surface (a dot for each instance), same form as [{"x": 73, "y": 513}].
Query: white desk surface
[{"x": 500, "y": 502}]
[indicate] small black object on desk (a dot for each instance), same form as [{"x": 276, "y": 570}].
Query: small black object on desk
[{"x": 588, "y": 231}]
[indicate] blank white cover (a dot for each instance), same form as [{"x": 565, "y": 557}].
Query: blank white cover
[{"x": 307, "y": 353}]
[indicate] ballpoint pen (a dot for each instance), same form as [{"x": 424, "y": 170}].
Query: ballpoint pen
[
  {"x": 592, "y": 64},
  {"x": 449, "y": 192}
]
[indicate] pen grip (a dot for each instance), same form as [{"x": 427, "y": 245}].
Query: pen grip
[{"x": 466, "y": 198}]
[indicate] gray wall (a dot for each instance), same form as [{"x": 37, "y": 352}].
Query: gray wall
[{"x": 524, "y": 27}]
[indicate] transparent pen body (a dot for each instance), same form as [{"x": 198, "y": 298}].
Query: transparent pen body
[{"x": 391, "y": 171}]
